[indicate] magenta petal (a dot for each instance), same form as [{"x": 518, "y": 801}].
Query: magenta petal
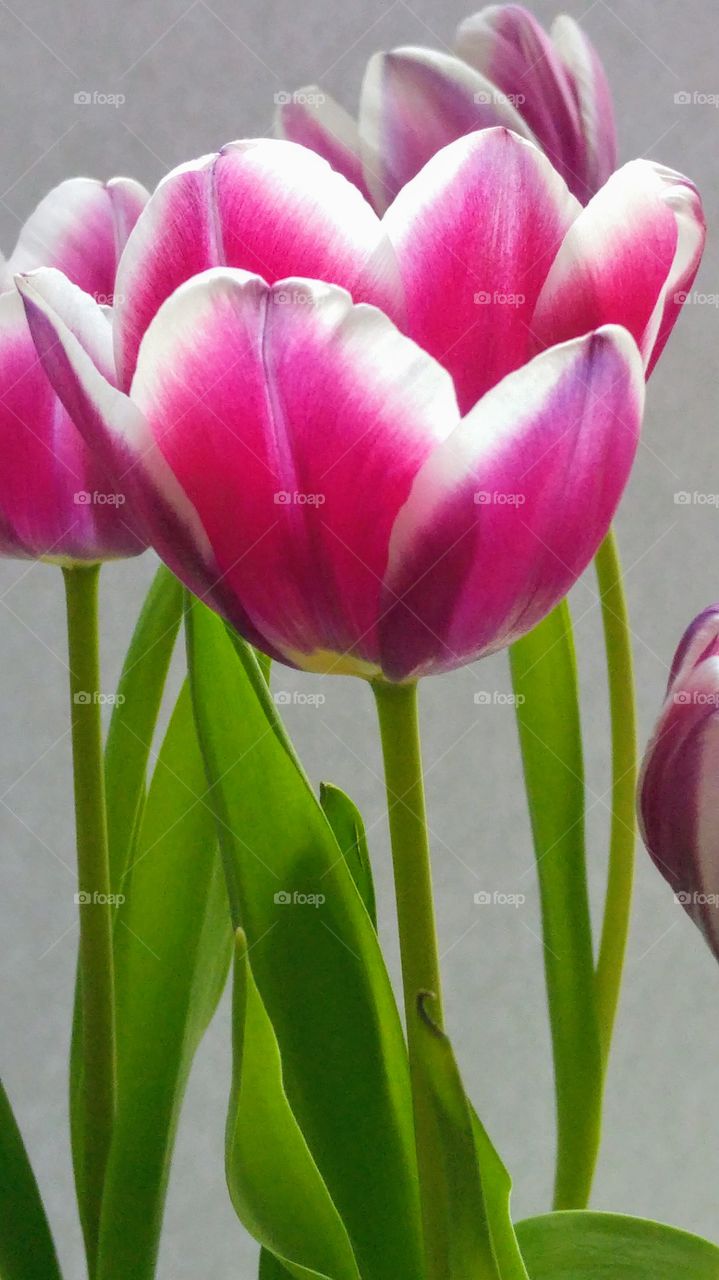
[
  {"x": 267, "y": 206},
  {"x": 313, "y": 119},
  {"x": 508, "y": 512},
  {"x": 81, "y": 228},
  {"x": 628, "y": 259},
  {"x": 294, "y": 427},
  {"x": 475, "y": 234},
  {"x": 414, "y": 102},
  {"x": 593, "y": 97}
]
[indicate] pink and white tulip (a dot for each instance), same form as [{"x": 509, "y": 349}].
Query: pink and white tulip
[
  {"x": 56, "y": 500},
  {"x": 678, "y": 809},
  {"x": 451, "y": 468},
  {"x": 551, "y": 89}
]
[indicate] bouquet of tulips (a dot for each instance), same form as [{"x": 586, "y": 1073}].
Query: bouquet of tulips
[{"x": 372, "y": 391}]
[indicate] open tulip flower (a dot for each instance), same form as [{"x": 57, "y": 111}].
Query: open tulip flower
[
  {"x": 551, "y": 89},
  {"x": 379, "y": 446},
  {"x": 677, "y": 797},
  {"x": 56, "y": 501}
]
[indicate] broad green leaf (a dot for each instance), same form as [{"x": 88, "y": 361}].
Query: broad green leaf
[
  {"x": 172, "y": 950},
  {"x": 276, "y": 1188},
  {"x": 271, "y": 1268},
  {"x": 345, "y": 820},
  {"x": 608, "y": 1246},
  {"x": 134, "y": 716},
  {"x": 315, "y": 957},
  {"x": 544, "y": 673},
  {"x": 473, "y": 1184},
  {"x": 26, "y": 1248}
]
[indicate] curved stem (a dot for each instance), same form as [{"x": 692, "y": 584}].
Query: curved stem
[
  {"x": 98, "y": 1068},
  {"x": 399, "y": 730},
  {"x": 617, "y": 910}
]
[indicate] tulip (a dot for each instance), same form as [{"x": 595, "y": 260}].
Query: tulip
[
  {"x": 551, "y": 89},
  {"x": 677, "y": 790},
  {"x": 399, "y": 480},
  {"x": 56, "y": 502}
]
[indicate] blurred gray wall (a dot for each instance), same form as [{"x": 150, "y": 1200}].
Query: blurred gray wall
[{"x": 195, "y": 75}]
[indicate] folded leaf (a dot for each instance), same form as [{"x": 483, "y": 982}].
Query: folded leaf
[
  {"x": 474, "y": 1185},
  {"x": 26, "y": 1248},
  {"x": 275, "y": 1185},
  {"x": 544, "y": 674},
  {"x": 608, "y": 1246},
  {"x": 315, "y": 957},
  {"x": 172, "y": 950},
  {"x": 345, "y": 820}
]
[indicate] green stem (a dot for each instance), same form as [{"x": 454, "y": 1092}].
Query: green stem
[
  {"x": 98, "y": 1067},
  {"x": 617, "y": 910},
  {"x": 399, "y": 730}
]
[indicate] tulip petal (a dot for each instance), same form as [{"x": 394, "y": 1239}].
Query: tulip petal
[
  {"x": 414, "y": 102},
  {"x": 267, "y": 206},
  {"x": 594, "y": 102},
  {"x": 628, "y": 259},
  {"x": 508, "y": 512},
  {"x": 294, "y": 428},
  {"x": 475, "y": 234},
  {"x": 507, "y": 45},
  {"x": 56, "y": 500},
  {"x": 314, "y": 119},
  {"x": 81, "y": 228}
]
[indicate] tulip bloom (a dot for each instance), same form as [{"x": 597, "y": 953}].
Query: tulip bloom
[
  {"x": 551, "y": 89},
  {"x": 405, "y": 472},
  {"x": 56, "y": 501},
  {"x": 677, "y": 790}
]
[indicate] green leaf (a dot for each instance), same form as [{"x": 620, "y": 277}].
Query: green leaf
[
  {"x": 608, "y": 1246},
  {"x": 134, "y": 716},
  {"x": 345, "y": 820},
  {"x": 479, "y": 1237},
  {"x": 26, "y": 1248},
  {"x": 544, "y": 673},
  {"x": 172, "y": 949},
  {"x": 318, "y": 968},
  {"x": 271, "y": 1268},
  {"x": 275, "y": 1185}
]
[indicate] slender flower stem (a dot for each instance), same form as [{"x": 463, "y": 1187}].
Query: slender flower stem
[
  {"x": 98, "y": 1067},
  {"x": 617, "y": 910},
  {"x": 399, "y": 730}
]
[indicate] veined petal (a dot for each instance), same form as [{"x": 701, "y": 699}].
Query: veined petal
[
  {"x": 56, "y": 501},
  {"x": 628, "y": 259},
  {"x": 267, "y": 206},
  {"x": 507, "y": 45},
  {"x": 314, "y": 119},
  {"x": 414, "y": 102},
  {"x": 293, "y": 423},
  {"x": 593, "y": 96},
  {"x": 80, "y": 227},
  {"x": 475, "y": 234},
  {"x": 507, "y": 513}
]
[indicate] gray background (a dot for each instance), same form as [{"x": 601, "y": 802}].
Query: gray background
[{"x": 194, "y": 76}]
